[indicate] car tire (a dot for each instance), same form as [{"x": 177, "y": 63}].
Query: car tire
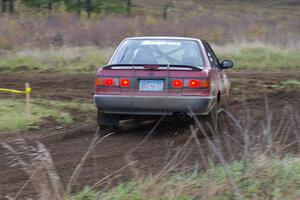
[
  {"x": 107, "y": 123},
  {"x": 210, "y": 121}
]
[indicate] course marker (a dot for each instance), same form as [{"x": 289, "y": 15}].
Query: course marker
[{"x": 27, "y": 92}]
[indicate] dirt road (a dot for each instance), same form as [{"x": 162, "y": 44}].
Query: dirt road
[{"x": 250, "y": 90}]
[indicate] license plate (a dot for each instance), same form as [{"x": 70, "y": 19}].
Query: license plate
[{"x": 151, "y": 85}]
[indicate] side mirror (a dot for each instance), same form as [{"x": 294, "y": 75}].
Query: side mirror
[{"x": 226, "y": 64}]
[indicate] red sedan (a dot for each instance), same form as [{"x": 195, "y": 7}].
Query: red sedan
[{"x": 148, "y": 77}]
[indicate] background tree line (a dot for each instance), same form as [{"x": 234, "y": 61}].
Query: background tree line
[{"x": 88, "y": 6}]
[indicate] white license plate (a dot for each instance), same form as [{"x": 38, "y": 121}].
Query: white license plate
[{"x": 151, "y": 85}]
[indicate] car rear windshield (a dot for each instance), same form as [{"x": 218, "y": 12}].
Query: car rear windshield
[{"x": 159, "y": 52}]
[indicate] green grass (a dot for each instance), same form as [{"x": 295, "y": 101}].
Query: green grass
[
  {"x": 63, "y": 60},
  {"x": 288, "y": 83},
  {"x": 86, "y": 194},
  {"x": 260, "y": 179},
  {"x": 72, "y": 60},
  {"x": 13, "y": 114},
  {"x": 259, "y": 56},
  {"x": 75, "y": 105}
]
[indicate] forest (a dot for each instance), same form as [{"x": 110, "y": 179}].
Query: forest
[{"x": 89, "y": 6}]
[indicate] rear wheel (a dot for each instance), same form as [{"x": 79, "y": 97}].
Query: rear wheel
[
  {"x": 210, "y": 121},
  {"x": 107, "y": 123}
]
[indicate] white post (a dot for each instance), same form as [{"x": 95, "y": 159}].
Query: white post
[{"x": 27, "y": 96}]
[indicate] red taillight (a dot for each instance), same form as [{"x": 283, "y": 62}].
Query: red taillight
[
  {"x": 112, "y": 82},
  {"x": 194, "y": 83},
  {"x": 109, "y": 82},
  {"x": 104, "y": 82},
  {"x": 125, "y": 83},
  {"x": 177, "y": 83}
]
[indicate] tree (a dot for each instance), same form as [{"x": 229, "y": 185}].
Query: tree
[
  {"x": 50, "y": 6},
  {"x": 2, "y": 6},
  {"x": 97, "y": 6},
  {"x": 11, "y": 6},
  {"x": 73, "y": 5},
  {"x": 165, "y": 11},
  {"x": 78, "y": 7},
  {"x": 88, "y": 7},
  {"x": 40, "y": 3},
  {"x": 166, "y": 8},
  {"x": 128, "y": 7},
  {"x": 112, "y": 6}
]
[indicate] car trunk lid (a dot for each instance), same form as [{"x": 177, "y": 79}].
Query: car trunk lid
[{"x": 153, "y": 80}]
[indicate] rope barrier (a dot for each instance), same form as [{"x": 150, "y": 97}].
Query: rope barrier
[{"x": 27, "y": 91}]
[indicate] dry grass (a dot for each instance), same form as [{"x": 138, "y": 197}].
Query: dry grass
[
  {"x": 88, "y": 59},
  {"x": 257, "y": 55},
  {"x": 37, "y": 163},
  {"x": 35, "y": 160},
  {"x": 218, "y": 22},
  {"x": 64, "y": 60}
]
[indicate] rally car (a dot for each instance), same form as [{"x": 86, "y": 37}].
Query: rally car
[{"x": 149, "y": 77}]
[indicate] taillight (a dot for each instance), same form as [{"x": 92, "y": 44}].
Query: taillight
[
  {"x": 177, "y": 83},
  {"x": 204, "y": 83},
  {"x": 196, "y": 83},
  {"x": 109, "y": 82},
  {"x": 99, "y": 82},
  {"x": 112, "y": 82},
  {"x": 125, "y": 82}
]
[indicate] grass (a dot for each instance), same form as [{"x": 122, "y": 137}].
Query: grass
[
  {"x": 268, "y": 21},
  {"x": 86, "y": 194},
  {"x": 288, "y": 83},
  {"x": 14, "y": 118},
  {"x": 72, "y": 60},
  {"x": 260, "y": 56},
  {"x": 75, "y": 105},
  {"x": 64, "y": 60},
  {"x": 260, "y": 179},
  {"x": 265, "y": 170}
]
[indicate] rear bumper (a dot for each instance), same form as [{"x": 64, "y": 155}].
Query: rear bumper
[{"x": 153, "y": 105}]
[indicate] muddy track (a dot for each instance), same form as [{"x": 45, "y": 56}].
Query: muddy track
[{"x": 67, "y": 146}]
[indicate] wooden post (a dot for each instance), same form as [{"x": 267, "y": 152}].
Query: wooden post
[{"x": 27, "y": 96}]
